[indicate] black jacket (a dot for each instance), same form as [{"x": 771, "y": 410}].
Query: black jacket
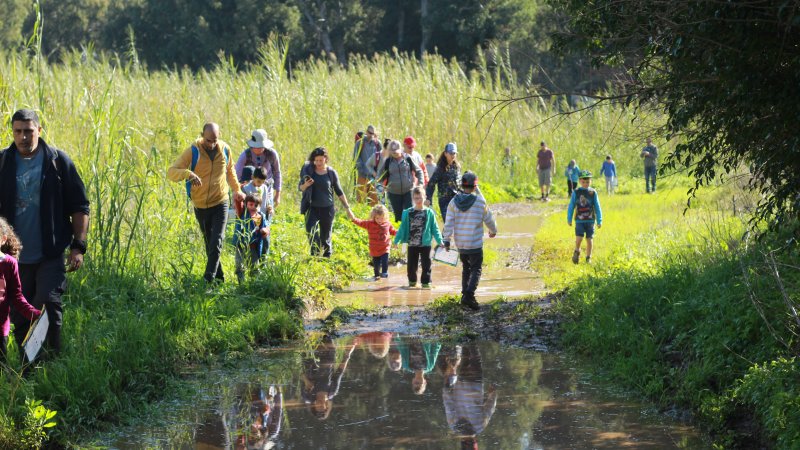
[{"x": 63, "y": 194}]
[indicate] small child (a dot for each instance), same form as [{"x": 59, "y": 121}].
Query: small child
[
  {"x": 430, "y": 165},
  {"x": 259, "y": 185},
  {"x": 609, "y": 170},
  {"x": 585, "y": 204},
  {"x": 418, "y": 228},
  {"x": 379, "y": 230},
  {"x": 250, "y": 236},
  {"x": 10, "y": 286},
  {"x": 572, "y": 172},
  {"x": 466, "y": 215}
]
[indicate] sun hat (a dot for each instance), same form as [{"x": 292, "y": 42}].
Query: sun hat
[
  {"x": 371, "y": 129},
  {"x": 469, "y": 179},
  {"x": 410, "y": 141},
  {"x": 259, "y": 139},
  {"x": 585, "y": 174},
  {"x": 451, "y": 148}
]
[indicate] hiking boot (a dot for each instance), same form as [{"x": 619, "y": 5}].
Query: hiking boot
[
  {"x": 385, "y": 275},
  {"x": 588, "y": 259},
  {"x": 426, "y": 285},
  {"x": 468, "y": 301},
  {"x": 412, "y": 285},
  {"x": 375, "y": 278},
  {"x": 576, "y": 256}
]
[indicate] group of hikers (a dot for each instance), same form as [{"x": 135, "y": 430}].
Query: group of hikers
[{"x": 44, "y": 210}]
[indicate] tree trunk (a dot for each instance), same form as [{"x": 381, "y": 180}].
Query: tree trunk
[
  {"x": 401, "y": 25},
  {"x": 426, "y": 31},
  {"x": 318, "y": 22}
]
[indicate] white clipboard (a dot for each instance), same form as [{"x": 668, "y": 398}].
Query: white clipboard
[
  {"x": 443, "y": 256},
  {"x": 36, "y": 336}
]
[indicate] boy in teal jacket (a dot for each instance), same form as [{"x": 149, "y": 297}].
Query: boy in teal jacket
[
  {"x": 585, "y": 206},
  {"x": 418, "y": 228}
]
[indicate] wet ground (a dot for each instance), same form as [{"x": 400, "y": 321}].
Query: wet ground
[{"x": 360, "y": 392}]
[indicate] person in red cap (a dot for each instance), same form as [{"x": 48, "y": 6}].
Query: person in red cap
[{"x": 409, "y": 146}]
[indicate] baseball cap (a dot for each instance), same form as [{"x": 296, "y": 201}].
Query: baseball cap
[
  {"x": 410, "y": 141},
  {"x": 469, "y": 179},
  {"x": 585, "y": 174},
  {"x": 451, "y": 148}
]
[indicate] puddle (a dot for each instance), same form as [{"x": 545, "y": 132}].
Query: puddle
[
  {"x": 515, "y": 233},
  {"x": 367, "y": 392}
]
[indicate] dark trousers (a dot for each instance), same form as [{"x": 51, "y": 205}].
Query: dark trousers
[
  {"x": 571, "y": 185},
  {"x": 212, "y": 224},
  {"x": 443, "y": 203},
  {"x": 380, "y": 264},
  {"x": 650, "y": 177},
  {"x": 399, "y": 203},
  {"x": 415, "y": 254},
  {"x": 3, "y": 346},
  {"x": 319, "y": 225},
  {"x": 43, "y": 284},
  {"x": 471, "y": 268}
]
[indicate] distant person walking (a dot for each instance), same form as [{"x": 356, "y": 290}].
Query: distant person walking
[
  {"x": 366, "y": 154},
  {"x": 430, "y": 166},
  {"x": 206, "y": 166},
  {"x": 509, "y": 162},
  {"x": 650, "y": 156},
  {"x": 546, "y": 168},
  {"x": 609, "y": 171},
  {"x": 402, "y": 175},
  {"x": 409, "y": 148},
  {"x": 446, "y": 178},
  {"x": 320, "y": 185},
  {"x": 261, "y": 153},
  {"x": 43, "y": 197},
  {"x": 572, "y": 172}
]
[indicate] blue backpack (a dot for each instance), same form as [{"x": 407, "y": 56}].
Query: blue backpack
[{"x": 195, "y": 157}]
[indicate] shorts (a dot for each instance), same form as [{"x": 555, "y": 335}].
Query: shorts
[
  {"x": 584, "y": 228},
  {"x": 545, "y": 177}
]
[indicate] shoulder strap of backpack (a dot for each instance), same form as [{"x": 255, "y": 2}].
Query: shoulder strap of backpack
[
  {"x": 248, "y": 157},
  {"x": 195, "y": 157}
]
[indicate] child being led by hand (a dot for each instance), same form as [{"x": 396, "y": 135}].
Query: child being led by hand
[
  {"x": 418, "y": 229},
  {"x": 379, "y": 230},
  {"x": 250, "y": 236},
  {"x": 10, "y": 286},
  {"x": 585, "y": 205}
]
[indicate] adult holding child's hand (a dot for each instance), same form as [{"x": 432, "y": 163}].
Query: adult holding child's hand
[{"x": 319, "y": 183}]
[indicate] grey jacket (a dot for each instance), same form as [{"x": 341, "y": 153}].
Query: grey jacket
[
  {"x": 650, "y": 161},
  {"x": 364, "y": 156},
  {"x": 400, "y": 174}
]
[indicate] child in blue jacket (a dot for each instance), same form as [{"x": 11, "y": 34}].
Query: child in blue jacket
[
  {"x": 250, "y": 235},
  {"x": 609, "y": 170},
  {"x": 585, "y": 205},
  {"x": 419, "y": 229}
]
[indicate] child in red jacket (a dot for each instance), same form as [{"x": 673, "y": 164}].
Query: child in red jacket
[
  {"x": 380, "y": 231},
  {"x": 10, "y": 287}
]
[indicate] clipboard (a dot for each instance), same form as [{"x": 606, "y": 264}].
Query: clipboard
[
  {"x": 36, "y": 336},
  {"x": 443, "y": 256}
]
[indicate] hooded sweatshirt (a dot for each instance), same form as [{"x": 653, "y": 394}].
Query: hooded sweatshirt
[
  {"x": 213, "y": 174},
  {"x": 466, "y": 215}
]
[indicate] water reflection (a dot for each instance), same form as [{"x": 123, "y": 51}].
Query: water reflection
[{"x": 389, "y": 390}]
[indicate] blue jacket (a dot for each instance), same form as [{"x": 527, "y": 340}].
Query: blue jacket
[
  {"x": 609, "y": 169},
  {"x": 430, "y": 232},
  {"x": 573, "y": 174},
  {"x": 246, "y": 232},
  {"x": 585, "y": 204},
  {"x": 63, "y": 194}
]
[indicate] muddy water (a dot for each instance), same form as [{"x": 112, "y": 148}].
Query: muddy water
[
  {"x": 512, "y": 244},
  {"x": 343, "y": 394}
]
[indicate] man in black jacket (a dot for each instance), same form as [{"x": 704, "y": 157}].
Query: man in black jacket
[{"x": 44, "y": 199}]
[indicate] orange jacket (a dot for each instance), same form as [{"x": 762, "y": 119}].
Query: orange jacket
[{"x": 213, "y": 174}]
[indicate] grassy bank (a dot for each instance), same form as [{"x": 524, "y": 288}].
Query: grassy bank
[{"x": 684, "y": 310}]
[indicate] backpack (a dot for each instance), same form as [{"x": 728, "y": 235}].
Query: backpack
[
  {"x": 385, "y": 178},
  {"x": 195, "y": 157}
]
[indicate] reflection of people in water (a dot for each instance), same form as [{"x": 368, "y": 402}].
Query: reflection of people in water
[
  {"x": 467, "y": 408},
  {"x": 322, "y": 377},
  {"x": 377, "y": 343},
  {"x": 419, "y": 358},
  {"x": 252, "y": 422}
]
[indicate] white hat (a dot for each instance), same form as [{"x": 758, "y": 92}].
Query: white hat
[{"x": 260, "y": 140}]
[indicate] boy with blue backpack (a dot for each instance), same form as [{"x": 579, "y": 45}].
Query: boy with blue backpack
[{"x": 584, "y": 205}]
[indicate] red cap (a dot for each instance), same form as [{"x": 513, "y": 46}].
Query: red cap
[{"x": 410, "y": 141}]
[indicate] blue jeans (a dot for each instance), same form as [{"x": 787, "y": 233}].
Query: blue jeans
[
  {"x": 650, "y": 174},
  {"x": 443, "y": 203},
  {"x": 380, "y": 264},
  {"x": 471, "y": 269}
]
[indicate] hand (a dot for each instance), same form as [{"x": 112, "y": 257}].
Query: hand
[
  {"x": 264, "y": 232},
  {"x": 277, "y": 199},
  {"x": 238, "y": 196},
  {"x": 194, "y": 179},
  {"x": 491, "y": 235},
  {"x": 569, "y": 224},
  {"x": 75, "y": 261},
  {"x": 599, "y": 225},
  {"x": 427, "y": 203},
  {"x": 350, "y": 214},
  {"x": 270, "y": 210},
  {"x": 307, "y": 184},
  {"x": 447, "y": 246}
]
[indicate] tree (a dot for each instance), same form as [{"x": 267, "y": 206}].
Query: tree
[
  {"x": 727, "y": 75},
  {"x": 14, "y": 15}
]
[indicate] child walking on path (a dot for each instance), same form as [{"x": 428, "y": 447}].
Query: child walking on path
[
  {"x": 379, "y": 230},
  {"x": 466, "y": 215},
  {"x": 609, "y": 170},
  {"x": 585, "y": 205},
  {"x": 418, "y": 229},
  {"x": 10, "y": 286},
  {"x": 250, "y": 236},
  {"x": 572, "y": 172}
]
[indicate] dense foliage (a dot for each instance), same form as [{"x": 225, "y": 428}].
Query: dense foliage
[{"x": 727, "y": 75}]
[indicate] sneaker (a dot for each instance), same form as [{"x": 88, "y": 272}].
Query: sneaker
[
  {"x": 412, "y": 285},
  {"x": 385, "y": 275},
  {"x": 468, "y": 301},
  {"x": 576, "y": 255},
  {"x": 373, "y": 278},
  {"x": 588, "y": 259},
  {"x": 426, "y": 285}
]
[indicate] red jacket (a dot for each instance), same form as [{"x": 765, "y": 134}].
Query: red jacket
[
  {"x": 379, "y": 236},
  {"x": 11, "y": 294}
]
